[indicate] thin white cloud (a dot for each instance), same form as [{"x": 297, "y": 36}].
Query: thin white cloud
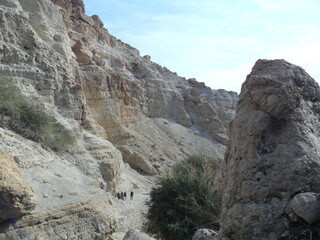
[{"x": 283, "y": 5}]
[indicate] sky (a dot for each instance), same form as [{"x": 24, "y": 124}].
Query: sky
[{"x": 216, "y": 41}]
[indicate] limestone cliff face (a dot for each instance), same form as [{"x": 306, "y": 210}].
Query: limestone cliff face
[
  {"x": 272, "y": 162},
  {"x": 123, "y": 90},
  {"x": 120, "y": 107}
]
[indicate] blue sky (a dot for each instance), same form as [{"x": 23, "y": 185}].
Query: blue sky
[{"x": 216, "y": 41}]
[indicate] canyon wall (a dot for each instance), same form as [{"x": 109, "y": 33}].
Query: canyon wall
[{"x": 129, "y": 119}]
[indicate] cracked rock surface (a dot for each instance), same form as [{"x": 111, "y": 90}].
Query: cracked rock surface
[{"x": 273, "y": 153}]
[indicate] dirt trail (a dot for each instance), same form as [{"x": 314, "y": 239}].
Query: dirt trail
[{"x": 130, "y": 214}]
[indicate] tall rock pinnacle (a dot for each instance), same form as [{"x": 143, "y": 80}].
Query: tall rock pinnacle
[{"x": 272, "y": 164}]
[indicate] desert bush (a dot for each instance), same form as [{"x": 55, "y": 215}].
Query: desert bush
[
  {"x": 29, "y": 120},
  {"x": 187, "y": 199}
]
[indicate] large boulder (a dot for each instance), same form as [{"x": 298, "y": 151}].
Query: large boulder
[
  {"x": 16, "y": 195},
  {"x": 307, "y": 206},
  {"x": 273, "y": 154},
  {"x": 84, "y": 55}
]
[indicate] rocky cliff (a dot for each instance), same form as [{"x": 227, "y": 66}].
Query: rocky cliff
[
  {"x": 89, "y": 117},
  {"x": 271, "y": 167}
]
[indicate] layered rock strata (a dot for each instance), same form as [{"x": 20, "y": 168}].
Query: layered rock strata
[
  {"x": 272, "y": 166},
  {"x": 64, "y": 58},
  {"x": 125, "y": 112}
]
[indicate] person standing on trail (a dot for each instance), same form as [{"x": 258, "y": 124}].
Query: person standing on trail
[
  {"x": 131, "y": 195},
  {"x": 125, "y": 195},
  {"x": 121, "y": 195}
]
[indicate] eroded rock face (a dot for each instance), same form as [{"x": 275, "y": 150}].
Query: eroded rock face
[
  {"x": 111, "y": 99},
  {"x": 273, "y": 154},
  {"x": 123, "y": 89},
  {"x": 16, "y": 195}
]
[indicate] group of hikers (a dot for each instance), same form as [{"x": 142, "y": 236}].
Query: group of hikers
[
  {"x": 123, "y": 195},
  {"x": 120, "y": 195}
]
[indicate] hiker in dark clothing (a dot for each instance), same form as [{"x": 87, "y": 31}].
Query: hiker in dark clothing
[
  {"x": 125, "y": 195},
  {"x": 131, "y": 195},
  {"x": 121, "y": 195},
  {"x": 118, "y": 195}
]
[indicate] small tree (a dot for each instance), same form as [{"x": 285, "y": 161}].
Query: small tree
[{"x": 188, "y": 199}]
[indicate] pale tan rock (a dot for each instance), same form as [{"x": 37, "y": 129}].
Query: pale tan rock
[
  {"x": 83, "y": 217},
  {"x": 61, "y": 3},
  {"x": 136, "y": 160},
  {"x": 147, "y": 57},
  {"x": 10, "y": 133},
  {"x": 116, "y": 236},
  {"x": 17, "y": 198},
  {"x": 83, "y": 54}
]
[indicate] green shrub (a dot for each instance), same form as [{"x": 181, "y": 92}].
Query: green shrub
[
  {"x": 188, "y": 199},
  {"x": 28, "y": 120}
]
